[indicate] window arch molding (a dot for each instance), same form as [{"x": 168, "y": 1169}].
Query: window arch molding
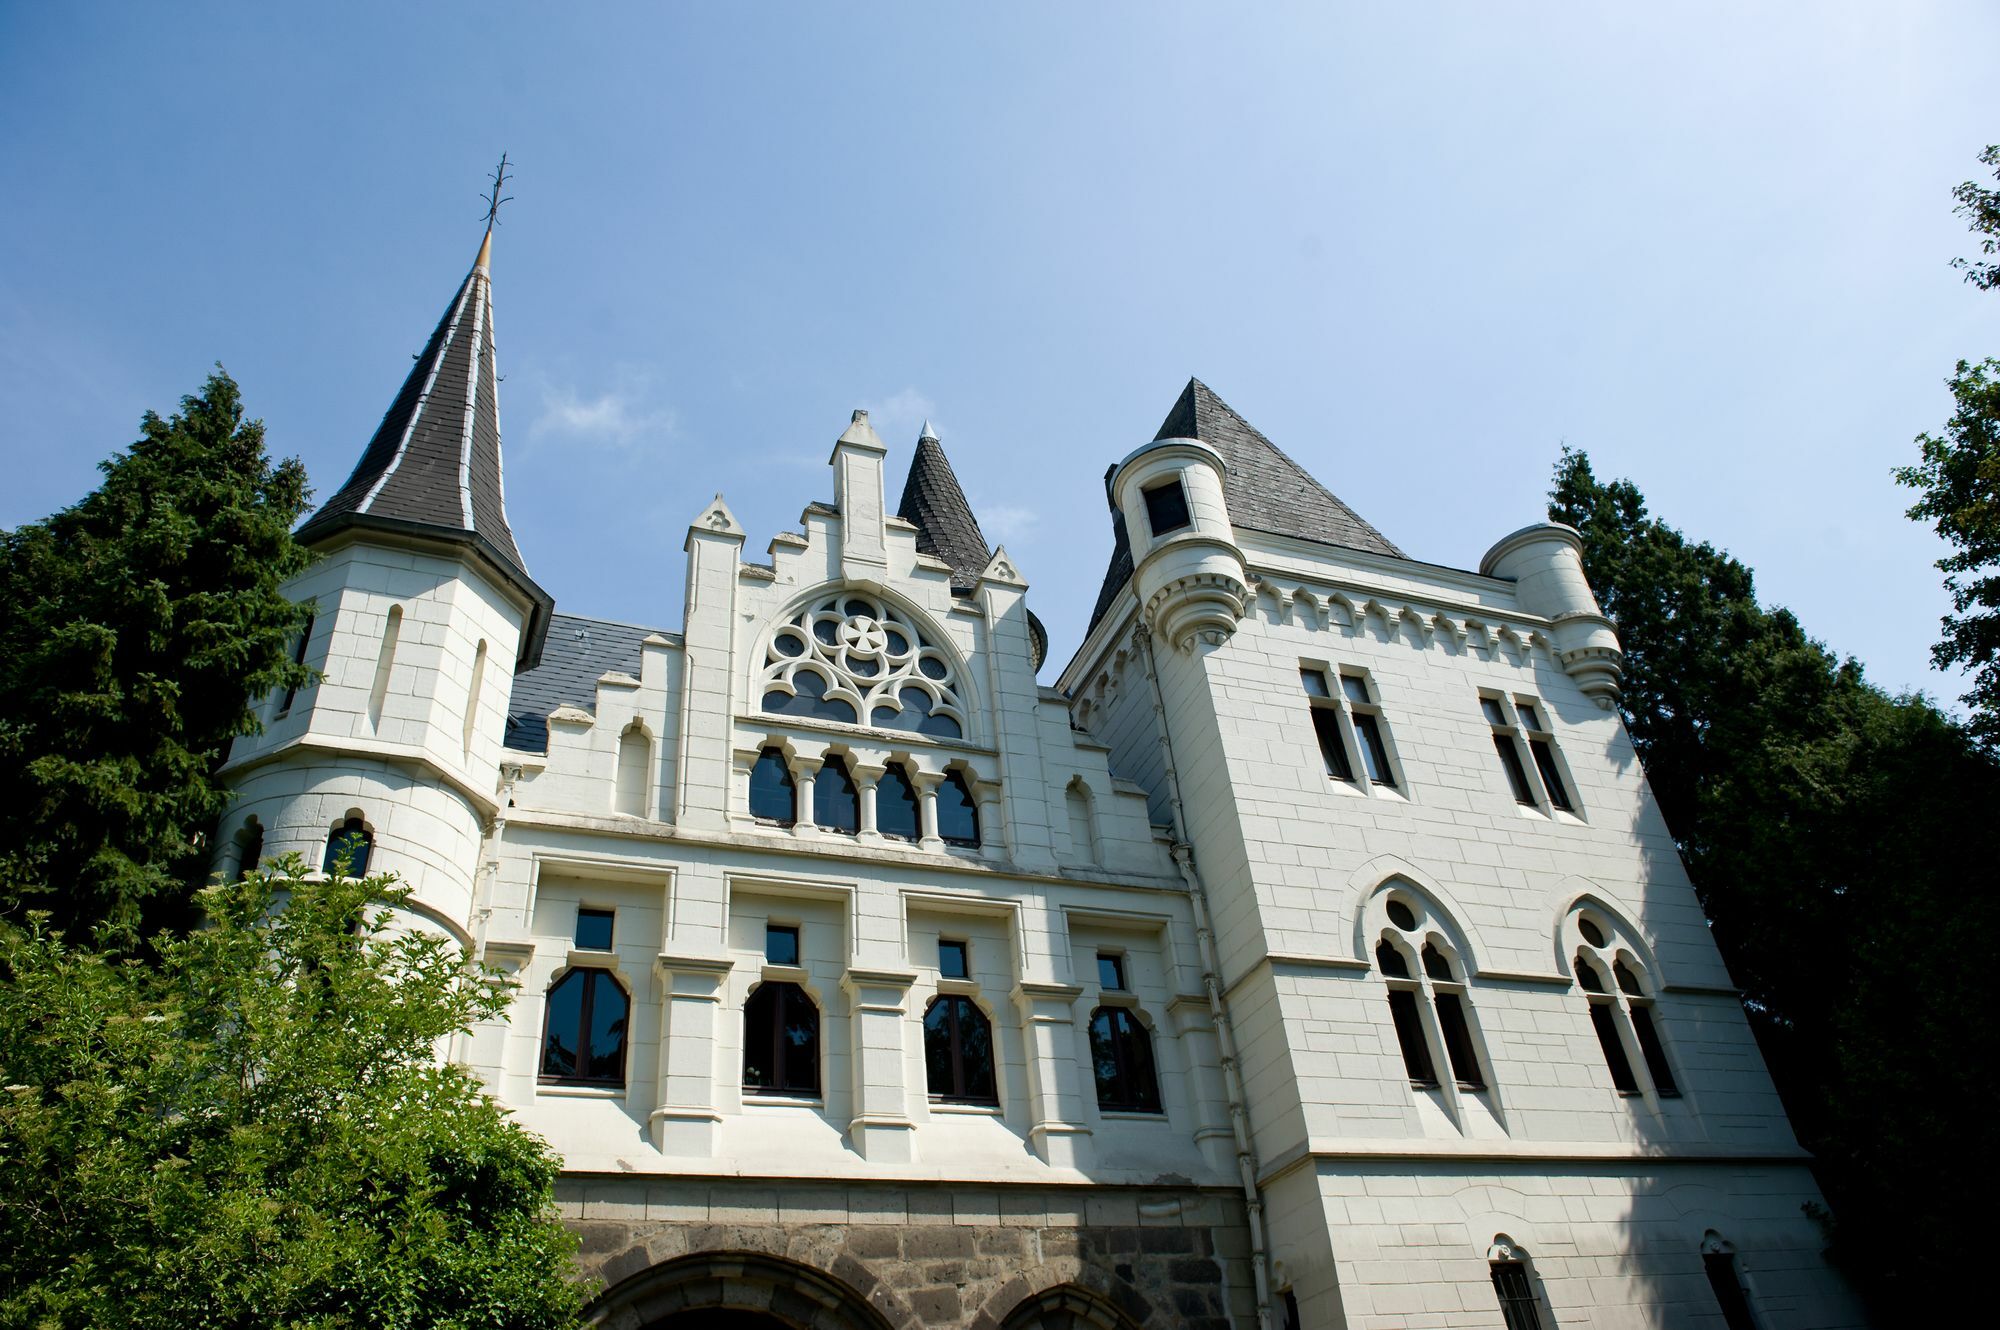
[
  {"x": 1610, "y": 968},
  {"x": 1379, "y": 881},
  {"x": 1586, "y": 899},
  {"x": 796, "y": 640},
  {"x": 1420, "y": 956}
]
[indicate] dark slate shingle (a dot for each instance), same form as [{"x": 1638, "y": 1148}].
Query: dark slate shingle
[{"x": 578, "y": 652}]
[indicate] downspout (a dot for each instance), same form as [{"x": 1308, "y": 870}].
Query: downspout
[
  {"x": 482, "y": 883},
  {"x": 1211, "y": 982}
]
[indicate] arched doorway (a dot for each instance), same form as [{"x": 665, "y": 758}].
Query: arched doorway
[
  {"x": 737, "y": 1291},
  {"x": 1066, "y": 1307}
]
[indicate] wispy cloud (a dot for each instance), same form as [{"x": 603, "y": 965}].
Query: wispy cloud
[
  {"x": 622, "y": 417},
  {"x": 1002, "y": 522},
  {"x": 898, "y": 418}
]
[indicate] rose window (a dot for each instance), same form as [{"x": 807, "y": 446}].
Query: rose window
[{"x": 853, "y": 656}]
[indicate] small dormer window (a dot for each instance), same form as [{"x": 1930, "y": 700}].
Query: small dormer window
[{"x": 1167, "y": 507}]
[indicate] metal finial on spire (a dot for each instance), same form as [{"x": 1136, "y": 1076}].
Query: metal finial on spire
[
  {"x": 493, "y": 197},
  {"x": 928, "y": 432}
]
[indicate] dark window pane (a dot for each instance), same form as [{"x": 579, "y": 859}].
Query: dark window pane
[
  {"x": 931, "y": 667},
  {"x": 1591, "y": 932},
  {"x": 1545, "y": 762},
  {"x": 1410, "y": 1037},
  {"x": 1627, "y": 981},
  {"x": 809, "y": 698},
  {"x": 1729, "y": 1295},
  {"x": 1355, "y": 687},
  {"x": 1374, "y": 753},
  {"x": 298, "y": 658},
  {"x": 584, "y": 1039},
  {"x": 958, "y": 1051},
  {"x": 606, "y": 1031},
  {"x": 836, "y": 803},
  {"x": 1491, "y": 706},
  {"x": 1121, "y": 1054},
  {"x": 772, "y": 797},
  {"x": 1326, "y": 725},
  {"x": 951, "y": 960},
  {"x": 252, "y": 854},
  {"x": 1292, "y": 1321},
  {"x": 1588, "y": 977},
  {"x": 788, "y": 643},
  {"x": 1606, "y": 1026},
  {"x": 1315, "y": 682},
  {"x": 593, "y": 930},
  {"x": 1510, "y": 762},
  {"x": 897, "y": 811},
  {"x": 1653, "y": 1051},
  {"x": 1435, "y": 965},
  {"x": 1528, "y": 716},
  {"x": 561, "y": 1038},
  {"x": 1458, "y": 1042},
  {"x": 1391, "y": 961},
  {"x": 1110, "y": 971},
  {"x": 781, "y": 944},
  {"x": 1518, "y": 1308},
  {"x": 348, "y": 849},
  {"x": 827, "y": 631},
  {"x": 1166, "y": 508},
  {"x": 781, "y": 1041},
  {"x": 1401, "y": 915},
  {"x": 957, "y": 815}
]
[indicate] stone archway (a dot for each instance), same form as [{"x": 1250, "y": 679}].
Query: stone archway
[
  {"x": 1066, "y": 1307},
  {"x": 735, "y": 1291}
]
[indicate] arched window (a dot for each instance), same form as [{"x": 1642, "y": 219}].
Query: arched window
[
  {"x": 780, "y": 1041},
  {"x": 857, "y": 659},
  {"x": 1442, "y": 982},
  {"x": 348, "y": 850},
  {"x": 1121, "y": 1057},
  {"x": 1082, "y": 825},
  {"x": 635, "y": 756},
  {"x": 385, "y": 667},
  {"x": 772, "y": 797},
  {"x": 958, "y": 1052},
  {"x": 1615, "y": 984},
  {"x": 584, "y": 1038},
  {"x": 957, "y": 814},
  {"x": 250, "y": 848},
  {"x": 836, "y": 803},
  {"x": 898, "y": 811}
]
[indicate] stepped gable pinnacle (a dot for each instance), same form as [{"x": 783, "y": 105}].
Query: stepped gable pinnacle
[
  {"x": 433, "y": 467},
  {"x": 1265, "y": 489},
  {"x": 945, "y": 525}
]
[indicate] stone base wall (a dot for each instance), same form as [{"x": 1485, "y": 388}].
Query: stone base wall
[{"x": 926, "y": 1255}]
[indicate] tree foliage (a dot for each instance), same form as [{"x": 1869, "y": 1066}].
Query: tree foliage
[
  {"x": 254, "y": 1129},
  {"x": 140, "y": 624},
  {"x": 1842, "y": 843},
  {"x": 1980, "y": 207}
]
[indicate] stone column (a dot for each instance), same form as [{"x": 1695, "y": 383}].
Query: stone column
[
  {"x": 1048, "y": 1024},
  {"x": 686, "y": 1119},
  {"x": 927, "y": 788},
  {"x": 865, "y": 778},
  {"x": 879, "y": 1000},
  {"x": 803, "y": 771}
]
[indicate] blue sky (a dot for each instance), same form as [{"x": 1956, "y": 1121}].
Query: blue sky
[{"x": 1419, "y": 246}]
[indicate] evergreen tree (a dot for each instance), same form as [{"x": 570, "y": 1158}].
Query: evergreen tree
[
  {"x": 139, "y": 627},
  {"x": 255, "y": 1129},
  {"x": 1842, "y": 843}
]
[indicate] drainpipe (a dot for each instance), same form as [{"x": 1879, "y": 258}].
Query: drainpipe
[
  {"x": 482, "y": 886},
  {"x": 1211, "y": 982}
]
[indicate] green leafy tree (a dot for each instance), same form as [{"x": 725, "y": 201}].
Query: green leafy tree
[
  {"x": 254, "y": 1129},
  {"x": 1840, "y": 841},
  {"x": 139, "y": 626},
  {"x": 1980, "y": 207}
]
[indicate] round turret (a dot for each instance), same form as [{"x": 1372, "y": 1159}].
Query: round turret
[
  {"x": 1186, "y": 567},
  {"x": 1545, "y": 563}
]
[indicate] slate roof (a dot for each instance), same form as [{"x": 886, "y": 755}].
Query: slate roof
[
  {"x": 1264, "y": 489},
  {"x": 433, "y": 466},
  {"x": 577, "y": 653},
  {"x": 947, "y": 529},
  {"x": 945, "y": 525}
]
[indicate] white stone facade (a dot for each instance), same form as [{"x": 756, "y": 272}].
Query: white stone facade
[{"x": 1167, "y": 804}]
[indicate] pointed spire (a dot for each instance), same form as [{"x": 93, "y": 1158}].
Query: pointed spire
[
  {"x": 433, "y": 467},
  {"x": 945, "y": 525}
]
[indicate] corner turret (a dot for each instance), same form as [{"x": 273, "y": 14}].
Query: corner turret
[{"x": 1545, "y": 563}]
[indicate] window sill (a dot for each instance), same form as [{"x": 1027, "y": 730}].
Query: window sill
[
  {"x": 958, "y": 987},
  {"x": 589, "y": 958},
  {"x": 1133, "y": 1114},
  {"x": 969, "y": 1110},
  {"x": 783, "y": 974},
  {"x": 1118, "y": 997},
  {"x": 579, "y": 1090},
  {"x": 771, "y": 1099}
]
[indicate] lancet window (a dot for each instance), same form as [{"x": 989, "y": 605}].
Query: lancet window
[
  {"x": 1615, "y": 984},
  {"x": 855, "y": 659}
]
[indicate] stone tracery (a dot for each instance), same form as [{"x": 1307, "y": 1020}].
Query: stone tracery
[{"x": 852, "y": 656}]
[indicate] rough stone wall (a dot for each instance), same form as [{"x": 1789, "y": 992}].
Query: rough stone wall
[{"x": 936, "y": 1255}]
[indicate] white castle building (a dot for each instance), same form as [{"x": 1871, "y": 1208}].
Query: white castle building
[{"x": 1312, "y": 953}]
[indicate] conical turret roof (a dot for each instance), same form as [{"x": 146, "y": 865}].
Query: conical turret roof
[
  {"x": 946, "y": 528},
  {"x": 1264, "y": 489},
  {"x": 433, "y": 467}
]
